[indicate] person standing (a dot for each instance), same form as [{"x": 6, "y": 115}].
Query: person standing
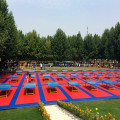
[
  {"x": 28, "y": 65},
  {"x": 27, "y": 77},
  {"x": 20, "y": 66},
  {"x": 12, "y": 68},
  {"x": 34, "y": 66},
  {"x": 41, "y": 66}
]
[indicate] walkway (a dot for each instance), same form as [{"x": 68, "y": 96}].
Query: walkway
[{"x": 58, "y": 113}]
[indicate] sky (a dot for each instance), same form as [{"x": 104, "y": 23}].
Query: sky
[{"x": 72, "y": 16}]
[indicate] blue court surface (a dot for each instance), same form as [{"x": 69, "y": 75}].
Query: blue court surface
[
  {"x": 48, "y": 87},
  {"x": 5, "y": 86}
]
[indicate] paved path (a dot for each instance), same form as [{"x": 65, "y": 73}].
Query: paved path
[{"x": 58, "y": 113}]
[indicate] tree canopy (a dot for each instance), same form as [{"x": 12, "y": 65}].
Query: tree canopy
[
  {"x": 14, "y": 45},
  {"x": 8, "y": 33}
]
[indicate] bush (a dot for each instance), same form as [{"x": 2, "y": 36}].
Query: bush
[
  {"x": 43, "y": 111},
  {"x": 86, "y": 114}
]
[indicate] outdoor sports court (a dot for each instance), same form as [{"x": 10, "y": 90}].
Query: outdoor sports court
[{"x": 50, "y": 86}]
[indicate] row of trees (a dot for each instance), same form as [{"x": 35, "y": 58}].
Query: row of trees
[
  {"x": 62, "y": 47},
  {"x": 18, "y": 46}
]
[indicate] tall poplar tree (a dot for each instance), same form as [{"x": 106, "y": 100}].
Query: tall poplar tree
[
  {"x": 8, "y": 33},
  {"x": 58, "y": 45}
]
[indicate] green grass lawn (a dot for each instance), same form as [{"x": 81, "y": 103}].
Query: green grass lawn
[
  {"x": 104, "y": 106},
  {"x": 74, "y": 68},
  {"x": 30, "y": 113}
]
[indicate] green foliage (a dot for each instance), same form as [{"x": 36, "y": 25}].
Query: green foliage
[
  {"x": 29, "y": 113},
  {"x": 32, "y": 45},
  {"x": 21, "y": 50},
  {"x": 45, "y": 115},
  {"x": 97, "y": 42},
  {"x": 58, "y": 45},
  {"x": 104, "y": 106},
  {"x": 86, "y": 113},
  {"x": 80, "y": 47},
  {"x": 89, "y": 46},
  {"x": 105, "y": 44},
  {"x": 7, "y": 33},
  {"x": 16, "y": 45}
]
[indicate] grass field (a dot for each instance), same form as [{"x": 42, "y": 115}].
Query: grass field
[
  {"x": 30, "y": 113},
  {"x": 74, "y": 68},
  {"x": 104, "y": 106}
]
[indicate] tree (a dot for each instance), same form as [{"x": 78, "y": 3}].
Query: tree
[
  {"x": 32, "y": 45},
  {"x": 68, "y": 52},
  {"x": 3, "y": 26},
  {"x": 97, "y": 42},
  {"x": 89, "y": 47},
  {"x": 48, "y": 49},
  {"x": 15, "y": 45},
  {"x": 11, "y": 43},
  {"x": 7, "y": 33},
  {"x": 117, "y": 41},
  {"x": 58, "y": 45},
  {"x": 111, "y": 44},
  {"x": 79, "y": 47},
  {"x": 21, "y": 52},
  {"x": 104, "y": 45}
]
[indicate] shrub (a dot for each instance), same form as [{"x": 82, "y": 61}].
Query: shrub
[
  {"x": 86, "y": 114},
  {"x": 43, "y": 111}
]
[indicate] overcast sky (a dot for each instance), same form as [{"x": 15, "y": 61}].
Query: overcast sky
[{"x": 72, "y": 16}]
